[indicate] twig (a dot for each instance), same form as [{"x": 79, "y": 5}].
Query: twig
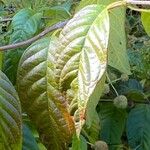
[
  {"x": 111, "y": 84},
  {"x": 35, "y": 38},
  {"x": 5, "y": 20},
  {"x": 10, "y": 19},
  {"x": 138, "y": 2}
]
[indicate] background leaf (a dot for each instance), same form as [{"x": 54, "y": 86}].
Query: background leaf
[
  {"x": 112, "y": 124},
  {"x": 145, "y": 17},
  {"x": 58, "y": 13},
  {"x": 79, "y": 143},
  {"x": 132, "y": 89},
  {"x": 1, "y": 60},
  {"x": 84, "y": 3},
  {"x": 138, "y": 129},
  {"x": 29, "y": 142},
  {"x": 10, "y": 116},
  {"x": 92, "y": 133},
  {"x": 25, "y": 24}
]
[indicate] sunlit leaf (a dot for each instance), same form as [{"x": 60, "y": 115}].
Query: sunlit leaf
[
  {"x": 82, "y": 53},
  {"x": 112, "y": 124},
  {"x": 146, "y": 21}
]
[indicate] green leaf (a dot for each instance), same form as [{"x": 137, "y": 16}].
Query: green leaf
[
  {"x": 10, "y": 116},
  {"x": 93, "y": 101},
  {"x": 25, "y": 24},
  {"x": 138, "y": 127},
  {"x": 146, "y": 21},
  {"x": 29, "y": 142},
  {"x": 58, "y": 13},
  {"x": 79, "y": 143},
  {"x": 82, "y": 53},
  {"x": 92, "y": 133},
  {"x": 84, "y": 3},
  {"x": 40, "y": 96},
  {"x": 106, "y": 2},
  {"x": 112, "y": 124},
  {"x": 1, "y": 60},
  {"x": 117, "y": 54},
  {"x": 132, "y": 89}
]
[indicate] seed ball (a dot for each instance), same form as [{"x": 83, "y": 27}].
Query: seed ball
[
  {"x": 124, "y": 77},
  {"x": 100, "y": 145},
  {"x": 121, "y": 102}
]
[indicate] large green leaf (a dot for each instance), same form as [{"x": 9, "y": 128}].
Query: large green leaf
[
  {"x": 112, "y": 124},
  {"x": 40, "y": 97},
  {"x": 10, "y": 116},
  {"x": 29, "y": 142},
  {"x": 82, "y": 53},
  {"x": 25, "y": 24},
  {"x": 146, "y": 21},
  {"x": 138, "y": 127},
  {"x": 117, "y": 54}
]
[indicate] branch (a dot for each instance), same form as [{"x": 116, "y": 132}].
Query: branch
[
  {"x": 138, "y": 2},
  {"x": 30, "y": 41},
  {"x": 10, "y": 19}
]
